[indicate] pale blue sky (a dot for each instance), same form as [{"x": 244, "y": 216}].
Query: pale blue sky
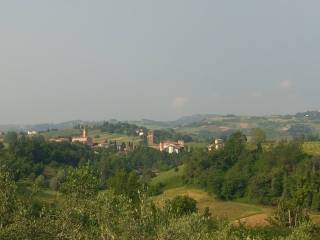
[{"x": 100, "y": 59}]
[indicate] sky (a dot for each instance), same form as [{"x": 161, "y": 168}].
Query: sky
[{"x": 157, "y": 59}]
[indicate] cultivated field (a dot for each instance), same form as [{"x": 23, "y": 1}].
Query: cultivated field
[{"x": 96, "y": 135}]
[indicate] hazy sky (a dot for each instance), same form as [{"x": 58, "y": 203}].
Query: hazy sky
[{"x": 159, "y": 59}]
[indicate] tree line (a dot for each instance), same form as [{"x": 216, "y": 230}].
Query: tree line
[{"x": 258, "y": 171}]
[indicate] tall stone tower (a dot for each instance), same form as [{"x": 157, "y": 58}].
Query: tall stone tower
[
  {"x": 84, "y": 133},
  {"x": 150, "y": 138}
]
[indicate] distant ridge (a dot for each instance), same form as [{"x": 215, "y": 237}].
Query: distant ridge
[{"x": 196, "y": 119}]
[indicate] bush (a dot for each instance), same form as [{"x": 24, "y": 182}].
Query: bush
[
  {"x": 182, "y": 205},
  {"x": 40, "y": 181}
]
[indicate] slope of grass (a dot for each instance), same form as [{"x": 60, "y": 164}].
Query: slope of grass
[
  {"x": 99, "y": 136},
  {"x": 222, "y": 209},
  {"x": 61, "y": 133},
  {"x": 171, "y": 178},
  {"x": 312, "y": 148},
  {"x": 202, "y": 145},
  {"x": 96, "y": 135}
]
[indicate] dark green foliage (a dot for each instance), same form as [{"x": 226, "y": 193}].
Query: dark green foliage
[
  {"x": 7, "y": 198},
  {"x": 84, "y": 214},
  {"x": 181, "y": 205},
  {"x": 11, "y": 138},
  {"x": 261, "y": 175},
  {"x": 120, "y": 128},
  {"x": 29, "y": 156},
  {"x": 165, "y": 134},
  {"x": 88, "y": 187},
  {"x": 123, "y": 183},
  {"x": 156, "y": 189}
]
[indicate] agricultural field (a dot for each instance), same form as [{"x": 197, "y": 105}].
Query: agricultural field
[
  {"x": 170, "y": 179},
  {"x": 96, "y": 135},
  {"x": 99, "y": 137},
  {"x": 61, "y": 133}
]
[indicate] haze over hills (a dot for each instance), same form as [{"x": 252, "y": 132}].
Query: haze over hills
[{"x": 205, "y": 126}]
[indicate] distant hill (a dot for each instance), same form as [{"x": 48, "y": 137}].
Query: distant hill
[
  {"x": 43, "y": 126},
  {"x": 208, "y": 126}
]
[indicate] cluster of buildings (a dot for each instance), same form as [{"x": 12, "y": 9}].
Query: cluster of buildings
[
  {"x": 165, "y": 146},
  {"x": 217, "y": 144},
  {"x": 86, "y": 140},
  {"x": 32, "y": 133}
]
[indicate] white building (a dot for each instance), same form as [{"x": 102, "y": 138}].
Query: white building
[{"x": 216, "y": 145}]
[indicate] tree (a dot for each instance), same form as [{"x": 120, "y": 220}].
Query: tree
[
  {"x": 40, "y": 181},
  {"x": 128, "y": 184},
  {"x": 7, "y": 198},
  {"x": 258, "y": 136},
  {"x": 11, "y": 138},
  {"x": 81, "y": 183},
  {"x": 289, "y": 214},
  {"x": 182, "y": 205}
]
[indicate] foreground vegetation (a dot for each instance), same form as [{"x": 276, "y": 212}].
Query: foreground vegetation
[
  {"x": 86, "y": 213},
  {"x": 54, "y": 190}
]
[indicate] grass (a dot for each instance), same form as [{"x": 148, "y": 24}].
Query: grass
[
  {"x": 202, "y": 145},
  {"x": 99, "y": 137},
  {"x": 312, "y": 148},
  {"x": 170, "y": 179},
  {"x": 96, "y": 135},
  {"x": 232, "y": 211},
  {"x": 61, "y": 133},
  {"x": 174, "y": 186}
]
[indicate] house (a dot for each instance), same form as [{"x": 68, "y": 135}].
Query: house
[
  {"x": 32, "y": 133},
  {"x": 171, "y": 146},
  {"x": 140, "y": 132},
  {"x": 83, "y": 139},
  {"x": 216, "y": 145}
]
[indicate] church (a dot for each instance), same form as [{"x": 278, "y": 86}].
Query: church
[{"x": 83, "y": 139}]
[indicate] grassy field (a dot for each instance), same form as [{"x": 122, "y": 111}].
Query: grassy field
[
  {"x": 228, "y": 210},
  {"x": 222, "y": 209},
  {"x": 202, "y": 145},
  {"x": 170, "y": 179},
  {"x": 312, "y": 148},
  {"x": 61, "y": 133},
  {"x": 235, "y": 211},
  {"x": 96, "y": 135}
]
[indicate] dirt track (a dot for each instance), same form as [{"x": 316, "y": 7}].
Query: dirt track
[{"x": 254, "y": 220}]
